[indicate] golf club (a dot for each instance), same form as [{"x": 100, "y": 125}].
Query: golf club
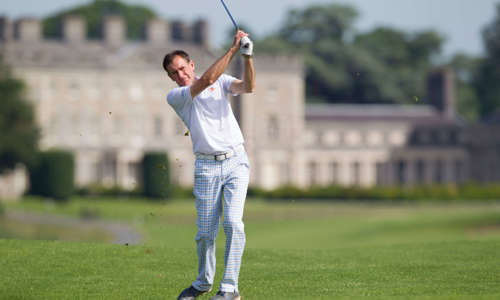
[
  {"x": 244, "y": 41},
  {"x": 229, "y": 14}
]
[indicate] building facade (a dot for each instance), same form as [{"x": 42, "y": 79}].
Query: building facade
[{"x": 105, "y": 100}]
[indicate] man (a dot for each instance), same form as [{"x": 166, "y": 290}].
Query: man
[{"x": 221, "y": 169}]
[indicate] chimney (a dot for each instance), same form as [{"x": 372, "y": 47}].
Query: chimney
[
  {"x": 200, "y": 33},
  {"x": 113, "y": 30},
  {"x": 180, "y": 31},
  {"x": 27, "y": 30},
  {"x": 156, "y": 32},
  {"x": 5, "y": 29},
  {"x": 74, "y": 29},
  {"x": 441, "y": 91}
]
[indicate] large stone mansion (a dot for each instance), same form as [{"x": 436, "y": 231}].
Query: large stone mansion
[{"x": 105, "y": 101}]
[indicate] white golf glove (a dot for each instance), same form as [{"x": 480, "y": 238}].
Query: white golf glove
[{"x": 246, "y": 46}]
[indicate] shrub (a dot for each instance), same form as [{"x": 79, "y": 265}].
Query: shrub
[
  {"x": 97, "y": 190},
  {"x": 156, "y": 175},
  {"x": 382, "y": 193},
  {"x": 52, "y": 175}
]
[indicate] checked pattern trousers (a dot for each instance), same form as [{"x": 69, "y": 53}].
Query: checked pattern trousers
[{"x": 220, "y": 186}]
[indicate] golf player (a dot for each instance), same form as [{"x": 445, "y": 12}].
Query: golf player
[{"x": 222, "y": 168}]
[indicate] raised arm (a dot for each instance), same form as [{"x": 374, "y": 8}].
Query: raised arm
[
  {"x": 219, "y": 67},
  {"x": 246, "y": 85}
]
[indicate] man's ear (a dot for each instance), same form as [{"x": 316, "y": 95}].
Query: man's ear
[{"x": 191, "y": 63}]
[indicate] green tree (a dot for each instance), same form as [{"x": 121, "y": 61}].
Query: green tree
[
  {"x": 384, "y": 65},
  {"x": 18, "y": 132},
  {"x": 466, "y": 68},
  {"x": 315, "y": 23},
  {"x": 135, "y": 16},
  {"x": 488, "y": 74},
  {"x": 405, "y": 58}
]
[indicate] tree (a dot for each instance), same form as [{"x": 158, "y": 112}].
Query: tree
[
  {"x": 466, "y": 68},
  {"x": 381, "y": 66},
  {"x": 488, "y": 74},
  {"x": 18, "y": 132},
  {"x": 318, "y": 22},
  {"x": 406, "y": 59},
  {"x": 135, "y": 16}
]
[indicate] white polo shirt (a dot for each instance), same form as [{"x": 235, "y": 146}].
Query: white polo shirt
[{"x": 208, "y": 117}]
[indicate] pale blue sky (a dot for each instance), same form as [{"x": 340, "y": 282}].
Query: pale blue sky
[{"x": 460, "y": 21}]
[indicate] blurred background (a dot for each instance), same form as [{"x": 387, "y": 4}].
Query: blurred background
[
  {"x": 348, "y": 94},
  {"x": 354, "y": 100}
]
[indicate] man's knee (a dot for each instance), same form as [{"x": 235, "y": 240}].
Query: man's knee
[
  {"x": 233, "y": 224},
  {"x": 207, "y": 236}
]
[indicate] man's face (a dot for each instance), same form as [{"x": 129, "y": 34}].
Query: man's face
[{"x": 181, "y": 71}]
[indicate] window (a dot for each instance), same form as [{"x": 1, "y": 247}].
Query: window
[
  {"x": 136, "y": 92},
  {"x": 74, "y": 90},
  {"x": 313, "y": 173},
  {"x": 158, "y": 126},
  {"x": 439, "y": 171},
  {"x": 333, "y": 169},
  {"x": 285, "y": 173},
  {"x": 272, "y": 93},
  {"x": 117, "y": 125},
  {"x": 401, "y": 167},
  {"x": 133, "y": 172},
  {"x": 380, "y": 173},
  {"x": 374, "y": 138},
  {"x": 459, "y": 169},
  {"x": 331, "y": 138},
  {"x": 356, "y": 173},
  {"x": 420, "y": 171},
  {"x": 353, "y": 138},
  {"x": 273, "y": 131}
]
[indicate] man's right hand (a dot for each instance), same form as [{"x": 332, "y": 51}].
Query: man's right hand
[
  {"x": 237, "y": 38},
  {"x": 246, "y": 47}
]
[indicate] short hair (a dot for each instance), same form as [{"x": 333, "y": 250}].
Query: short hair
[{"x": 170, "y": 57}]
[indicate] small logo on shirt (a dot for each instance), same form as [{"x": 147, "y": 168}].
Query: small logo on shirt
[{"x": 211, "y": 89}]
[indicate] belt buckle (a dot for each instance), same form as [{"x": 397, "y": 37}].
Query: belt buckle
[{"x": 220, "y": 157}]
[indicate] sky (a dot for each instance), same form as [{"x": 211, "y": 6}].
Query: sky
[{"x": 459, "y": 21}]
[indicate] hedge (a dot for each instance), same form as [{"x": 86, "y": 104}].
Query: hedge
[
  {"x": 156, "y": 175},
  {"x": 471, "y": 191},
  {"x": 52, "y": 175}
]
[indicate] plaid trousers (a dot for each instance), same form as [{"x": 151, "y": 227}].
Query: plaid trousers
[{"x": 220, "y": 186}]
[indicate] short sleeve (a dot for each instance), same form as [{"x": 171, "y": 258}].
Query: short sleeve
[
  {"x": 227, "y": 80},
  {"x": 179, "y": 97}
]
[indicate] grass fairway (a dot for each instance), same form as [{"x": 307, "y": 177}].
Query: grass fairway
[{"x": 294, "y": 251}]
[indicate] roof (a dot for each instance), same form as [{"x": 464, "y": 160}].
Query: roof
[{"x": 96, "y": 54}]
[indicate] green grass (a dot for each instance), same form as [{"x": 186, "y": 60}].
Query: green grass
[{"x": 295, "y": 250}]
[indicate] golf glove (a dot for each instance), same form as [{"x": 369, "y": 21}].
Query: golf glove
[{"x": 246, "y": 46}]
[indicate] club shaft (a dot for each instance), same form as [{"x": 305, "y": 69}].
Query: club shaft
[{"x": 229, "y": 14}]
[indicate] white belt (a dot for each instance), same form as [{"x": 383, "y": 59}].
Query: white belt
[{"x": 219, "y": 157}]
